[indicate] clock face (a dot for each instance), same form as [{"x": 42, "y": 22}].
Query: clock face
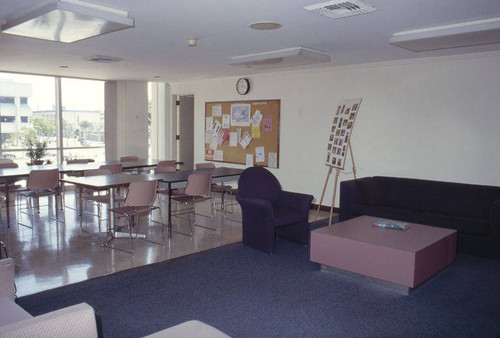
[{"x": 243, "y": 86}]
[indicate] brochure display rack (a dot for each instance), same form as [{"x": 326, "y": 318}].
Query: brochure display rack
[{"x": 339, "y": 144}]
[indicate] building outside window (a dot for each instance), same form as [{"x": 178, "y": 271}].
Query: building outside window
[{"x": 28, "y": 110}]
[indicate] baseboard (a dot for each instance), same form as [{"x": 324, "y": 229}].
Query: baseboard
[{"x": 324, "y": 208}]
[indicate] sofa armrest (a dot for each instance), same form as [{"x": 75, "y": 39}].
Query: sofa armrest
[
  {"x": 294, "y": 200},
  {"x": 7, "y": 287},
  {"x": 72, "y": 321},
  {"x": 494, "y": 223},
  {"x": 349, "y": 195}
]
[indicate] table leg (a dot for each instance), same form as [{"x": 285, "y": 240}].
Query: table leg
[
  {"x": 111, "y": 215},
  {"x": 111, "y": 219},
  {"x": 169, "y": 220},
  {"x": 7, "y": 204}
]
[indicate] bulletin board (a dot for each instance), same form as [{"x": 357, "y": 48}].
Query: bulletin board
[{"x": 243, "y": 132}]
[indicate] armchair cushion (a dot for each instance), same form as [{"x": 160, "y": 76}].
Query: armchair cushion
[
  {"x": 257, "y": 182},
  {"x": 295, "y": 200},
  {"x": 265, "y": 208},
  {"x": 285, "y": 216}
]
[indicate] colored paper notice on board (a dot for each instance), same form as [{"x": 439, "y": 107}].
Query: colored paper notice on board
[
  {"x": 226, "y": 118},
  {"x": 218, "y": 155},
  {"x": 209, "y": 123},
  {"x": 245, "y": 140},
  {"x": 217, "y": 110},
  {"x": 272, "y": 160},
  {"x": 249, "y": 160},
  {"x": 260, "y": 155},
  {"x": 256, "y": 118},
  {"x": 255, "y": 131},
  {"x": 209, "y": 154},
  {"x": 220, "y": 137},
  {"x": 217, "y": 126},
  {"x": 233, "y": 139},
  {"x": 208, "y": 136},
  {"x": 267, "y": 123}
]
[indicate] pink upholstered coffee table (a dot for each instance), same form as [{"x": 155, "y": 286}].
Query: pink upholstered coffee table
[{"x": 401, "y": 260}]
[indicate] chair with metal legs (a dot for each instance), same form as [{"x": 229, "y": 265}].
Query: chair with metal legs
[
  {"x": 216, "y": 188},
  {"x": 41, "y": 183},
  {"x": 95, "y": 196},
  {"x": 166, "y": 163},
  {"x": 115, "y": 168},
  {"x": 10, "y": 187},
  {"x": 197, "y": 190},
  {"x": 140, "y": 200}
]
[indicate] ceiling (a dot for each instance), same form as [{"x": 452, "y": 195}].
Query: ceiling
[{"x": 155, "y": 50}]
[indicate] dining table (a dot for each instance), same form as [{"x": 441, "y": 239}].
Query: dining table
[
  {"x": 9, "y": 176},
  {"x": 171, "y": 180}
]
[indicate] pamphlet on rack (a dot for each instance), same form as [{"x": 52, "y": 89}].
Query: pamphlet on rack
[{"x": 391, "y": 224}]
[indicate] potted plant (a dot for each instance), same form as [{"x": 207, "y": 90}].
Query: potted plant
[{"x": 36, "y": 151}]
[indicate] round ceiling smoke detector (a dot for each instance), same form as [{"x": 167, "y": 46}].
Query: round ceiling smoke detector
[
  {"x": 191, "y": 42},
  {"x": 264, "y": 25}
]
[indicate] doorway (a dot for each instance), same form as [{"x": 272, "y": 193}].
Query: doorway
[{"x": 185, "y": 130}]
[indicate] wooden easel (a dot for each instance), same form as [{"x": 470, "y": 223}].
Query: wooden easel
[{"x": 337, "y": 173}]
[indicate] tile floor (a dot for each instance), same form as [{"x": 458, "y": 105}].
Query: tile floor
[{"x": 54, "y": 254}]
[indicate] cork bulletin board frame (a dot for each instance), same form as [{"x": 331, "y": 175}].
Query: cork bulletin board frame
[{"x": 243, "y": 132}]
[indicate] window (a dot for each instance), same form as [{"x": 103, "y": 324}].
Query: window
[
  {"x": 6, "y": 99},
  {"x": 82, "y": 116},
  {"x": 8, "y": 119},
  {"x": 83, "y": 119}
]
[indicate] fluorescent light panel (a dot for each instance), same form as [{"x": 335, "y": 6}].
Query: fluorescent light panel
[
  {"x": 67, "y": 22},
  {"x": 457, "y": 35},
  {"x": 296, "y": 56}
]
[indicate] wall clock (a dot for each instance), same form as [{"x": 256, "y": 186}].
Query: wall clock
[{"x": 243, "y": 86}]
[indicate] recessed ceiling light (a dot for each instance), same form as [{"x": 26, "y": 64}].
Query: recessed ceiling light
[
  {"x": 296, "y": 56},
  {"x": 264, "y": 25},
  {"x": 462, "y": 34},
  {"x": 191, "y": 42},
  {"x": 103, "y": 59}
]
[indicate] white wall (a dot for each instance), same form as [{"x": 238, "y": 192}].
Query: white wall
[
  {"x": 126, "y": 119},
  {"x": 435, "y": 119}
]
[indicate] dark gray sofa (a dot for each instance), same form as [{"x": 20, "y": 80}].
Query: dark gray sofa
[{"x": 473, "y": 210}]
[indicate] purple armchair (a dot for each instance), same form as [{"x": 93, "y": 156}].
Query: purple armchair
[{"x": 268, "y": 212}]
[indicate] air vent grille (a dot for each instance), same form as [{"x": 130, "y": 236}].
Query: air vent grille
[
  {"x": 340, "y": 9},
  {"x": 103, "y": 59}
]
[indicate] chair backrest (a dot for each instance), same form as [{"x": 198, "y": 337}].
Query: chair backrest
[
  {"x": 128, "y": 158},
  {"x": 8, "y": 165},
  {"x": 78, "y": 160},
  {"x": 167, "y": 163},
  {"x": 6, "y": 160},
  {"x": 115, "y": 168},
  {"x": 164, "y": 169},
  {"x": 258, "y": 182},
  {"x": 43, "y": 179},
  {"x": 205, "y": 166},
  {"x": 97, "y": 172},
  {"x": 199, "y": 184},
  {"x": 141, "y": 193}
]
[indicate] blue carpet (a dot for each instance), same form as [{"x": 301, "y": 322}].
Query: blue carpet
[{"x": 248, "y": 293}]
